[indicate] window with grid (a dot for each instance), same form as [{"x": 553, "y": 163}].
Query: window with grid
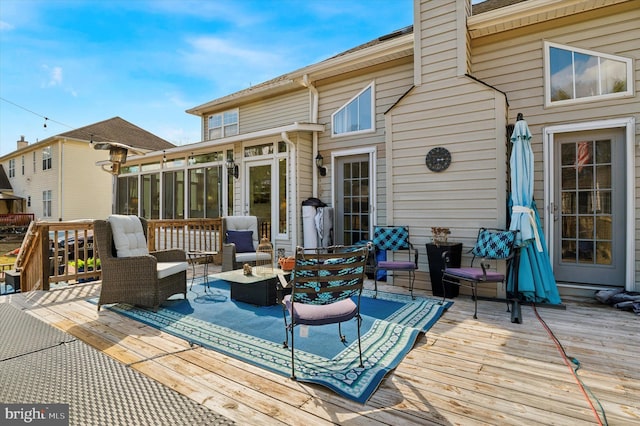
[
  {"x": 46, "y": 203},
  {"x": 12, "y": 167},
  {"x": 46, "y": 158},
  {"x": 223, "y": 124}
]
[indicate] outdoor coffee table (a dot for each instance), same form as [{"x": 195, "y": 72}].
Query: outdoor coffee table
[{"x": 256, "y": 289}]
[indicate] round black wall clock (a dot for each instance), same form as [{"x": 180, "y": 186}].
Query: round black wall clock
[{"x": 438, "y": 159}]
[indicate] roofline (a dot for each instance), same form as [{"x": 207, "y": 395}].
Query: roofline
[
  {"x": 319, "y": 70},
  {"x": 35, "y": 145},
  {"x": 204, "y": 145},
  {"x": 528, "y": 13}
]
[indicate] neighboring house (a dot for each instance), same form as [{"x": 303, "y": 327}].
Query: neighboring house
[
  {"x": 57, "y": 178},
  {"x": 457, "y": 80}
]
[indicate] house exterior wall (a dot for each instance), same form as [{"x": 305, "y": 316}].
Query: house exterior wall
[
  {"x": 274, "y": 112},
  {"x": 446, "y": 108},
  {"x": 85, "y": 189},
  {"x": 35, "y": 180},
  {"x": 513, "y": 61},
  {"x": 459, "y": 90},
  {"x": 266, "y": 113},
  {"x": 391, "y": 81},
  {"x": 79, "y": 189}
]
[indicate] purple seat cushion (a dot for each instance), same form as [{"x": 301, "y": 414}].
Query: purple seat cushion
[
  {"x": 332, "y": 313},
  {"x": 475, "y": 274},
  {"x": 395, "y": 264}
]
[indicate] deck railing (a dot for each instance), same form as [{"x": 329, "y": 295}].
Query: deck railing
[{"x": 56, "y": 252}]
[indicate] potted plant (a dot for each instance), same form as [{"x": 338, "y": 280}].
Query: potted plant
[
  {"x": 440, "y": 235},
  {"x": 435, "y": 250}
]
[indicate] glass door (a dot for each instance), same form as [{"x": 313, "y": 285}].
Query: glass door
[
  {"x": 589, "y": 217},
  {"x": 259, "y": 195},
  {"x": 353, "y": 213}
]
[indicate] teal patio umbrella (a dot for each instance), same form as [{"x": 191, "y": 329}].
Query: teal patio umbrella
[{"x": 531, "y": 277}]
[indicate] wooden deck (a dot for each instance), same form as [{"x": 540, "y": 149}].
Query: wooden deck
[{"x": 464, "y": 371}]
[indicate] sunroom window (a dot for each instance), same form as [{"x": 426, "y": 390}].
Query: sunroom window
[
  {"x": 356, "y": 115},
  {"x": 577, "y": 75},
  {"x": 223, "y": 124}
]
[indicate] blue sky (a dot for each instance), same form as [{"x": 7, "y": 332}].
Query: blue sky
[{"x": 78, "y": 62}]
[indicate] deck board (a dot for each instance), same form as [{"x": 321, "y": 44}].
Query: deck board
[{"x": 463, "y": 371}]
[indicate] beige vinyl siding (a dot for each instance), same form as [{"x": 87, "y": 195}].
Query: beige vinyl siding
[
  {"x": 268, "y": 113},
  {"x": 86, "y": 190},
  {"x": 423, "y": 121},
  {"x": 472, "y": 192},
  {"x": 302, "y": 187},
  {"x": 43, "y": 180},
  {"x": 513, "y": 62},
  {"x": 79, "y": 188},
  {"x": 391, "y": 83},
  {"x": 273, "y": 112},
  {"x": 438, "y": 55}
]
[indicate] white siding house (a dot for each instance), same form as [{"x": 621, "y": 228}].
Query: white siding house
[{"x": 58, "y": 178}]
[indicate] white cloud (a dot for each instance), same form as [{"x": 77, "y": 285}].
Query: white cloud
[
  {"x": 54, "y": 76},
  {"x": 211, "y": 47},
  {"x": 5, "y": 26}
]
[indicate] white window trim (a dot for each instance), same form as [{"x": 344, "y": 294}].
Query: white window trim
[
  {"x": 547, "y": 76},
  {"x": 371, "y": 85},
  {"x": 373, "y": 187},
  {"x": 629, "y": 125},
  {"x": 47, "y": 158},
  {"x": 47, "y": 203},
  {"x": 221, "y": 113}
]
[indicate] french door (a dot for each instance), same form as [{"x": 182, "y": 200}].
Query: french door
[
  {"x": 589, "y": 207},
  {"x": 353, "y": 189}
]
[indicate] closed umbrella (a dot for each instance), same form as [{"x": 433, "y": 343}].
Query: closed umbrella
[{"x": 531, "y": 278}]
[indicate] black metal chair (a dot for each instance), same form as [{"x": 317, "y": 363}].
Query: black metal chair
[
  {"x": 395, "y": 239},
  {"x": 324, "y": 284},
  {"x": 491, "y": 245}
]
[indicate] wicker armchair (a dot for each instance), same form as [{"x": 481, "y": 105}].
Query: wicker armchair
[
  {"x": 238, "y": 249},
  {"x": 140, "y": 279}
]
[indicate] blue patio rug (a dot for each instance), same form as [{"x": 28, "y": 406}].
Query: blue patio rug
[{"x": 255, "y": 334}]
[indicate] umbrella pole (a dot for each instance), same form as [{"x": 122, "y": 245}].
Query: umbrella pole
[{"x": 516, "y": 314}]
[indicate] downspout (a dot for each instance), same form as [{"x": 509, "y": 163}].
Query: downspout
[
  {"x": 314, "y": 119},
  {"x": 294, "y": 192},
  {"x": 60, "y": 177}
]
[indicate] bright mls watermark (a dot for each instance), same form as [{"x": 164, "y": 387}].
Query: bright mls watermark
[{"x": 34, "y": 414}]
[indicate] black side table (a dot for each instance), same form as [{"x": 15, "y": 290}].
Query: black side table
[{"x": 436, "y": 265}]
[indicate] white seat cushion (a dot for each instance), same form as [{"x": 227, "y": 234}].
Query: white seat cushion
[
  {"x": 128, "y": 235},
  {"x": 166, "y": 269},
  {"x": 252, "y": 257}
]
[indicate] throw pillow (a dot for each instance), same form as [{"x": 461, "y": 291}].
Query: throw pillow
[
  {"x": 128, "y": 235},
  {"x": 242, "y": 239},
  {"x": 494, "y": 245}
]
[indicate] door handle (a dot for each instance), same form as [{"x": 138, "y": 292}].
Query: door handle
[{"x": 553, "y": 207}]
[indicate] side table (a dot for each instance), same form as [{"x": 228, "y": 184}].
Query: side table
[{"x": 199, "y": 256}]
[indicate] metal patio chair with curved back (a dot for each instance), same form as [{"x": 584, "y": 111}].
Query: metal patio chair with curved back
[
  {"x": 395, "y": 239},
  {"x": 491, "y": 245},
  {"x": 326, "y": 285}
]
